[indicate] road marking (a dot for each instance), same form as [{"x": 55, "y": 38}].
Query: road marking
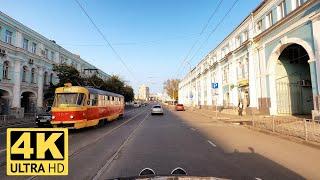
[
  {"x": 258, "y": 178},
  {"x": 104, "y": 168},
  {"x": 2, "y": 150},
  {"x": 212, "y": 144},
  {"x": 79, "y": 150},
  {"x": 193, "y": 129}
]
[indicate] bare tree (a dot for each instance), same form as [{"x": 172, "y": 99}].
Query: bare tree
[{"x": 172, "y": 86}]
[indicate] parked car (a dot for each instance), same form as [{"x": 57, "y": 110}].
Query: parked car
[
  {"x": 179, "y": 107},
  {"x": 156, "y": 109},
  {"x": 44, "y": 119},
  {"x": 136, "y": 104}
]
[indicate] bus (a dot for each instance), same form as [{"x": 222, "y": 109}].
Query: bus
[{"x": 76, "y": 107}]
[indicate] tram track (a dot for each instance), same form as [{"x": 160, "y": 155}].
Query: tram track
[{"x": 74, "y": 154}]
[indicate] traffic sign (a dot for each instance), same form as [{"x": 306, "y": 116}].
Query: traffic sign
[{"x": 215, "y": 85}]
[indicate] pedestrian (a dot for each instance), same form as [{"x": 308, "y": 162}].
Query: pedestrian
[{"x": 240, "y": 107}]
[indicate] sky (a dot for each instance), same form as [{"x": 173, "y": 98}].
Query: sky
[{"x": 152, "y": 37}]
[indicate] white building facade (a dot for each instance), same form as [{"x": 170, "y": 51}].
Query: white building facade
[
  {"x": 143, "y": 93},
  {"x": 270, "y": 63},
  {"x": 26, "y": 62}
]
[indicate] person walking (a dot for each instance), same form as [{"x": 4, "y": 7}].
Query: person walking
[{"x": 240, "y": 107}]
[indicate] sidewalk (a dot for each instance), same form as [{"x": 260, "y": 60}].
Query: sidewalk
[
  {"x": 305, "y": 129},
  {"x": 7, "y": 120}
]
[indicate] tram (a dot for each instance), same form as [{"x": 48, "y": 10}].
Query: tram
[{"x": 76, "y": 107}]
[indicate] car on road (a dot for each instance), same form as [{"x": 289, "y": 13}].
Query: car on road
[
  {"x": 136, "y": 104},
  {"x": 179, "y": 107},
  {"x": 44, "y": 119},
  {"x": 156, "y": 109}
]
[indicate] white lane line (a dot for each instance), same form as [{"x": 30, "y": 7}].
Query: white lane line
[
  {"x": 258, "y": 178},
  {"x": 107, "y": 164},
  {"x": 212, "y": 144},
  {"x": 2, "y": 150},
  {"x": 193, "y": 129}
]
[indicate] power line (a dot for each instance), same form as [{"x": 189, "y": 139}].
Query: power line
[
  {"x": 214, "y": 29},
  {"x": 201, "y": 33},
  {"x": 104, "y": 38}
]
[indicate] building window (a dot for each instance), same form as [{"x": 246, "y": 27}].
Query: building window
[
  {"x": 25, "y": 44},
  {"x": 269, "y": 20},
  {"x": 51, "y": 55},
  {"x": 245, "y": 36},
  {"x": 34, "y": 48},
  {"x": 225, "y": 75},
  {"x": 259, "y": 26},
  {"x": 298, "y": 3},
  {"x": 51, "y": 78},
  {"x": 5, "y": 70},
  {"x": 8, "y": 37},
  {"x": 33, "y": 72},
  {"x": 45, "y": 77},
  {"x": 24, "y": 73},
  {"x": 281, "y": 10},
  {"x": 46, "y": 53},
  {"x": 238, "y": 41}
]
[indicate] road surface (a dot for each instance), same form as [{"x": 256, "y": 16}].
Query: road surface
[{"x": 202, "y": 146}]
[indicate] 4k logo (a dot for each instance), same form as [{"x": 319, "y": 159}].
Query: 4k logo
[{"x": 37, "y": 151}]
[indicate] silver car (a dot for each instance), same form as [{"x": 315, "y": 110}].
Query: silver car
[{"x": 156, "y": 109}]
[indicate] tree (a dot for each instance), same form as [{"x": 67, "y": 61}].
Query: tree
[
  {"x": 67, "y": 74},
  {"x": 114, "y": 84},
  {"x": 128, "y": 93},
  {"x": 172, "y": 86}
]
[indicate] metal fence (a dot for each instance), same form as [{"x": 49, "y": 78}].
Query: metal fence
[
  {"x": 306, "y": 129},
  {"x": 7, "y": 120}
]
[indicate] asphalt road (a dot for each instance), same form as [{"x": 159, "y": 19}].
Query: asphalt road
[{"x": 124, "y": 147}]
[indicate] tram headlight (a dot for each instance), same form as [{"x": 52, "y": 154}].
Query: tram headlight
[
  {"x": 53, "y": 117},
  {"x": 71, "y": 116}
]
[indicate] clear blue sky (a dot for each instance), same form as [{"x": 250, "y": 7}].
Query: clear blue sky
[{"x": 152, "y": 36}]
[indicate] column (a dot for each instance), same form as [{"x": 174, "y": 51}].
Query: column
[
  {"x": 16, "y": 88},
  {"x": 219, "y": 91},
  {"x": 40, "y": 88},
  {"x": 316, "y": 41},
  {"x": 252, "y": 79}
]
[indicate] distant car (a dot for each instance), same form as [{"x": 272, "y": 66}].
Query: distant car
[
  {"x": 156, "y": 109},
  {"x": 136, "y": 104},
  {"x": 179, "y": 107},
  {"x": 44, "y": 119}
]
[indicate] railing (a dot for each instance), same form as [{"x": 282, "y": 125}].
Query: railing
[
  {"x": 7, "y": 120},
  {"x": 306, "y": 129}
]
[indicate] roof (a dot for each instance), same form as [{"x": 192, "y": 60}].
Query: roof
[{"x": 107, "y": 93}]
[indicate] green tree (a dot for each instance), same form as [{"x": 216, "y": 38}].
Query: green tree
[
  {"x": 128, "y": 93},
  {"x": 67, "y": 74},
  {"x": 114, "y": 84}
]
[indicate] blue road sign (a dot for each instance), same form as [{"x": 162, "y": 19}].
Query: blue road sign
[{"x": 215, "y": 85}]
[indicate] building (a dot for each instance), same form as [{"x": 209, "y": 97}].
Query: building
[
  {"x": 143, "y": 93},
  {"x": 26, "y": 62},
  {"x": 270, "y": 63}
]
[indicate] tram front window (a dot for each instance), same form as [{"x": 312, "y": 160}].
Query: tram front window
[{"x": 68, "y": 99}]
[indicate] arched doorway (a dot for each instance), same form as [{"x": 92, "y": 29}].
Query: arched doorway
[
  {"x": 4, "y": 102},
  {"x": 28, "y": 102},
  {"x": 293, "y": 81}
]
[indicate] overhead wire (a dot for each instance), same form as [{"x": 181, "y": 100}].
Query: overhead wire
[
  {"x": 105, "y": 39},
  {"x": 200, "y": 34},
  {"x": 214, "y": 29}
]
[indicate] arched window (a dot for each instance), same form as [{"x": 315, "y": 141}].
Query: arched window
[
  {"x": 24, "y": 73},
  {"x": 45, "y": 78},
  {"x": 33, "y": 72},
  {"x": 5, "y": 73},
  {"x": 51, "y": 78}
]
